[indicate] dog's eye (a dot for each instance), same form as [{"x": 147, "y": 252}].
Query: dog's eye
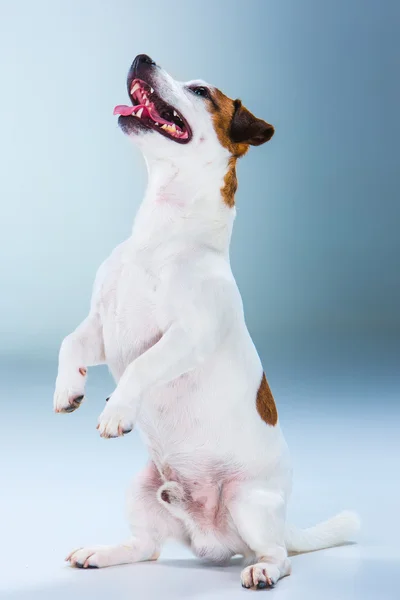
[{"x": 200, "y": 91}]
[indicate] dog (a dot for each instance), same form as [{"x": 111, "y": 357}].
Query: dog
[{"x": 166, "y": 316}]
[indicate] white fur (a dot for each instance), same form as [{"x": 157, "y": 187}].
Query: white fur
[
  {"x": 332, "y": 532},
  {"x": 167, "y": 318}
]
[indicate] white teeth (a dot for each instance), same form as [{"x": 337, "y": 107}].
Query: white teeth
[
  {"x": 139, "y": 113},
  {"x": 135, "y": 87},
  {"x": 151, "y": 90},
  {"x": 175, "y": 113},
  {"x": 157, "y": 123},
  {"x": 169, "y": 128}
]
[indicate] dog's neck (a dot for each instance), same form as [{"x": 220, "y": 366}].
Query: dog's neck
[{"x": 183, "y": 200}]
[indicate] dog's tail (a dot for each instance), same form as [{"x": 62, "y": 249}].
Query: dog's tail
[{"x": 333, "y": 532}]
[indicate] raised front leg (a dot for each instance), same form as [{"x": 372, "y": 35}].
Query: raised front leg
[
  {"x": 201, "y": 323},
  {"x": 81, "y": 349},
  {"x": 177, "y": 352}
]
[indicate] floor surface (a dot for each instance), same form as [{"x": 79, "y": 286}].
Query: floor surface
[{"x": 63, "y": 487}]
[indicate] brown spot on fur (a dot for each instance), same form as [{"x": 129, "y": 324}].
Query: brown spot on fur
[
  {"x": 82, "y": 371},
  {"x": 222, "y": 109},
  {"x": 230, "y": 183},
  {"x": 236, "y": 128},
  {"x": 266, "y": 404}
]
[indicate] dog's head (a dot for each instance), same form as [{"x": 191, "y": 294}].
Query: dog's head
[{"x": 171, "y": 118}]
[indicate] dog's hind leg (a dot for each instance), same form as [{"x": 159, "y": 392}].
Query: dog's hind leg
[
  {"x": 150, "y": 525},
  {"x": 95, "y": 557},
  {"x": 259, "y": 515}
]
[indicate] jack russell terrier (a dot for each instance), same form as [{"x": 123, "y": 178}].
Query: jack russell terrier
[{"x": 167, "y": 318}]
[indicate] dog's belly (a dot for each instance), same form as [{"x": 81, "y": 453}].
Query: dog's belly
[
  {"x": 216, "y": 538},
  {"x": 207, "y": 524},
  {"x": 188, "y": 424}
]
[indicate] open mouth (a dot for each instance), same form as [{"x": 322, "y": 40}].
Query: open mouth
[{"x": 150, "y": 111}]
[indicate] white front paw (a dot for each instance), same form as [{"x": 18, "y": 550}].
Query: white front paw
[
  {"x": 116, "y": 419},
  {"x": 70, "y": 391}
]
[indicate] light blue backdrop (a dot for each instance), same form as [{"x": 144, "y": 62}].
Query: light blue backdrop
[
  {"x": 316, "y": 245},
  {"x": 316, "y": 253}
]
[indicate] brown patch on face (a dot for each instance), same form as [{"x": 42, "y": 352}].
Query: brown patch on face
[
  {"x": 222, "y": 109},
  {"x": 236, "y": 129},
  {"x": 266, "y": 404}
]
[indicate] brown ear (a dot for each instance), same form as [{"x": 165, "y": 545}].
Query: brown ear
[{"x": 247, "y": 129}]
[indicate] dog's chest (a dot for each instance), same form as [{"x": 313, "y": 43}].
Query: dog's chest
[{"x": 133, "y": 312}]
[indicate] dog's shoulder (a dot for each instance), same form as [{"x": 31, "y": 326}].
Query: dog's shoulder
[{"x": 109, "y": 270}]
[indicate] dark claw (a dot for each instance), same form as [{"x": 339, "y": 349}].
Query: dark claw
[
  {"x": 107, "y": 399},
  {"x": 127, "y": 431},
  {"x": 74, "y": 404},
  {"x": 261, "y": 585},
  {"x": 80, "y": 566},
  {"x": 246, "y": 587}
]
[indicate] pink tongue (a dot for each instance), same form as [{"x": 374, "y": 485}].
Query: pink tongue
[
  {"x": 123, "y": 110},
  {"x": 147, "y": 111}
]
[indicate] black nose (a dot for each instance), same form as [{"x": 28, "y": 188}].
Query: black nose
[{"x": 143, "y": 59}]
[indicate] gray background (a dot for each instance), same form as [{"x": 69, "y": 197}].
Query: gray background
[{"x": 315, "y": 252}]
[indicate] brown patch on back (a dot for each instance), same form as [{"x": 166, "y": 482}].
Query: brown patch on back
[{"x": 265, "y": 403}]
